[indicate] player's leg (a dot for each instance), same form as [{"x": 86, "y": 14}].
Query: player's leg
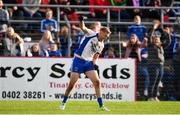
[
  {"x": 73, "y": 80},
  {"x": 93, "y": 76}
]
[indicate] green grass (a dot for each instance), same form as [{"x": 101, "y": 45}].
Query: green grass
[{"x": 88, "y": 107}]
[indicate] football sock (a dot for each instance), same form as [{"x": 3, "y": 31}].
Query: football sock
[
  {"x": 65, "y": 99},
  {"x": 100, "y": 101}
]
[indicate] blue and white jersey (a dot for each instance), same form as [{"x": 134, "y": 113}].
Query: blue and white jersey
[{"x": 89, "y": 46}]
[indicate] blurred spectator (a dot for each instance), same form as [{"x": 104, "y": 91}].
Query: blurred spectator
[
  {"x": 63, "y": 38},
  {"x": 54, "y": 51},
  {"x": 136, "y": 49},
  {"x": 61, "y": 2},
  {"x": 175, "y": 38},
  {"x": 136, "y": 4},
  {"x": 32, "y": 11},
  {"x": 172, "y": 53},
  {"x": 167, "y": 12},
  {"x": 137, "y": 28},
  {"x": 19, "y": 14},
  {"x": 100, "y": 13},
  {"x": 36, "y": 51},
  {"x": 153, "y": 13},
  {"x": 12, "y": 9},
  {"x": 110, "y": 53},
  {"x": 67, "y": 11},
  {"x": 176, "y": 64},
  {"x": 43, "y": 10},
  {"x": 49, "y": 23},
  {"x": 157, "y": 30},
  {"x": 156, "y": 45},
  {"x": 117, "y": 12},
  {"x": 79, "y": 2},
  {"x": 133, "y": 48},
  {"x": 14, "y": 44},
  {"x": 77, "y": 40},
  {"x": 72, "y": 14},
  {"x": 4, "y": 17},
  {"x": 177, "y": 10},
  {"x": 46, "y": 40},
  {"x": 143, "y": 73}
]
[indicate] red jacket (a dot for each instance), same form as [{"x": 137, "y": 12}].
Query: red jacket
[{"x": 99, "y": 3}]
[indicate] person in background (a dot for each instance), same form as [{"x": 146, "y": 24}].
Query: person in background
[
  {"x": 49, "y": 24},
  {"x": 100, "y": 13},
  {"x": 77, "y": 41},
  {"x": 54, "y": 51},
  {"x": 4, "y": 17},
  {"x": 156, "y": 45},
  {"x": 14, "y": 44},
  {"x": 137, "y": 28},
  {"x": 46, "y": 40},
  {"x": 43, "y": 10},
  {"x": 36, "y": 51},
  {"x": 11, "y": 9},
  {"x": 117, "y": 13},
  {"x": 135, "y": 49},
  {"x": 172, "y": 54},
  {"x": 32, "y": 11},
  {"x": 63, "y": 38},
  {"x": 154, "y": 13},
  {"x": 110, "y": 53},
  {"x": 176, "y": 64}
]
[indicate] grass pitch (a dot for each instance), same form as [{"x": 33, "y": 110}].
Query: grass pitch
[{"x": 88, "y": 107}]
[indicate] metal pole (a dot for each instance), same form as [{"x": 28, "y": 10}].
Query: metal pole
[
  {"x": 120, "y": 50},
  {"x": 162, "y": 18}
]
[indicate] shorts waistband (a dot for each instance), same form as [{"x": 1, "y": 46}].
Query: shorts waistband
[{"x": 78, "y": 56}]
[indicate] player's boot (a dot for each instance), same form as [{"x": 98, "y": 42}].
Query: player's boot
[
  {"x": 62, "y": 106},
  {"x": 103, "y": 108}
]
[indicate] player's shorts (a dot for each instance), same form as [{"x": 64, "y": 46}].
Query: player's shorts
[{"x": 81, "y": 66}]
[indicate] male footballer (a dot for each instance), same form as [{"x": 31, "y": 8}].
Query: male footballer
[{"x": 85, "y": 59}]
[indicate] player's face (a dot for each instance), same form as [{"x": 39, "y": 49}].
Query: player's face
[{"x": 103, "y": 35}]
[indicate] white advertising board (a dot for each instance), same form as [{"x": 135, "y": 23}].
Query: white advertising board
[{"x": 47, "y": 79}]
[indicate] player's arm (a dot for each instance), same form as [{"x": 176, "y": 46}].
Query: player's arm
[
  {"x": 82, "y": 25},
  {"x": 95, "y": 58}
]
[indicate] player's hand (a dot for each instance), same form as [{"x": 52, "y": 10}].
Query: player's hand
[
  {"x": 96, "y": 67},
  {"x": 81, "y": 18}
]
